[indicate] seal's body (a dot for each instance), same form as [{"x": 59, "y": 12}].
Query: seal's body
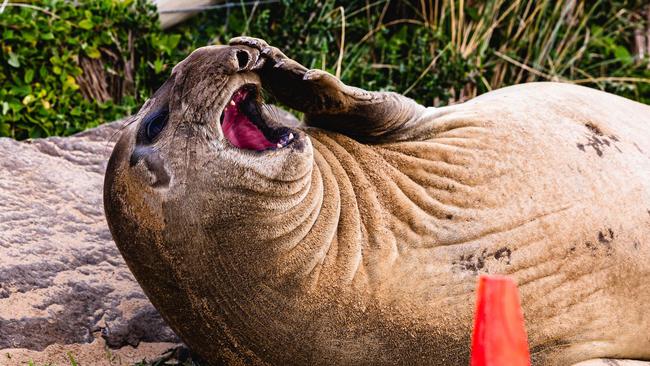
[{"x": 358, "y": 238}]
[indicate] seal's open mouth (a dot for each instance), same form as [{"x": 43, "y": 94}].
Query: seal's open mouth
[{"x": 245, "y": 127}]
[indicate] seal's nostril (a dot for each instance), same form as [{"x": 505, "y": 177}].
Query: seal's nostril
[{"x": 242, "y": 59}]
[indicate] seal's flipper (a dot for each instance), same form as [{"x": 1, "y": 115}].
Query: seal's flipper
[
  {"x": 326, "y": 101},
  {"x": 356, "y": 112}
]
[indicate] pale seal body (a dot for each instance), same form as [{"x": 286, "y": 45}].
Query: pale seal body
[{"x": 358, "y": 240}]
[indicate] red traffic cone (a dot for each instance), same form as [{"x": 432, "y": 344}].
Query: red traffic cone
[{"x": 499, "y": 337}]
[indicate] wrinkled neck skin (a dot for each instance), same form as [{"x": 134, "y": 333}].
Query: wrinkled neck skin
[{"x": 310, "y": 248}]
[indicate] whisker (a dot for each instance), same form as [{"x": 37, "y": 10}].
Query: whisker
[{"x": 114, "y": 136}]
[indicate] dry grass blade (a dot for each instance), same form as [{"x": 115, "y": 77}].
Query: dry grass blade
[
  {"x": 530, "y": 69},
  {"x": 342, "y": 46}
]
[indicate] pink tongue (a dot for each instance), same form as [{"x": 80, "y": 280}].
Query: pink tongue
[{"x": 241, "y": 132}]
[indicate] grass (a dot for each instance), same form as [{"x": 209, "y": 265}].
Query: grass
[
  {"x": 435, "y": 51},
  {"x": 445, "y": 51}
]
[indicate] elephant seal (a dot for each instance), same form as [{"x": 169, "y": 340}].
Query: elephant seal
[{"x": 358, "y": 237}]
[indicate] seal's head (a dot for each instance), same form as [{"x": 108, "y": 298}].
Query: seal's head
[
  {"x": 204, "y": 189},
  {"x": 203, "y": 163}
]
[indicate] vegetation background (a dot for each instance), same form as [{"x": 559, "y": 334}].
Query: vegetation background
[{"x": 70, "y": 65}]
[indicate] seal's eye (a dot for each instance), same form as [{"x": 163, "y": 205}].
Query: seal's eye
[{"x": 153, "y": 124}]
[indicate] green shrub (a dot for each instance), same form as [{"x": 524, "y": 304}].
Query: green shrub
[
  {"x": 435, "y": 52},
  {"x": 66, "y": 68}
]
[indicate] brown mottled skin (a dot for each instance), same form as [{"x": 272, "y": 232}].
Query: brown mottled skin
[{"x": 361, "y": 241}]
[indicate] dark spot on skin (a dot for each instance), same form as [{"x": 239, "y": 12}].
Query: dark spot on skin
[
  {"x": 595, "y": 144},
  {"x": 480, "y": 262},
  {"x": 469, "y": 264},
  {"x": 599, "y": 152},
  {"x": 636, "y": 244},
  {"x": 449, "y": 216},
  {"x": 597, "y": 140},
  {"x": 572, "y": 249},
  {"x": 606, "y": 237},
  {"x": 595, "y": 130},
  {"x": 461, "y": 264},
  {"x": 638, "y": 148},
  {"x": 503, "y": 253},
  {"x": 476, "y": 263}
]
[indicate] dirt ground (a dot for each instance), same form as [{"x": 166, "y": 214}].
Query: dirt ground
[{"x": 95, "y": 353}]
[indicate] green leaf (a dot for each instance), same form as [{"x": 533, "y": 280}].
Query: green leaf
[
  {"x": 622, "y": 54},
  {"x": 86, "y": 24},
  {"x": 13, "y": 60},
  {"x": 473, "y": 13},
  {"x": 15, "y": 106},
  {"x": 596, "y": 31},
  {"x": 29, "y": 36},
  {"x": 93, "y": 52},
  {"x": 29, "y": 76},
  {"x": 158, "y": 66},
  {"x": 5, "y": 130},
  {"x": 172, "y": 40},
  {"x": 75, "y": 112},
  {"x": 20, "y": 90},
  {"x": 70, "y": 83}
]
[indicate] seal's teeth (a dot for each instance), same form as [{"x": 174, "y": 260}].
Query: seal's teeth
[
  {"x": 279, "y": 145},
  {"x": 285, "y": 140},
  {"x": 232, "y": 103}
]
